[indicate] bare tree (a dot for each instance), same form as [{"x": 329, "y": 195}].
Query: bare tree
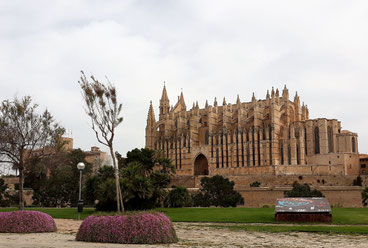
[
  {"x": 104, "y": 110},
  {"x": 24, "y": 134}
]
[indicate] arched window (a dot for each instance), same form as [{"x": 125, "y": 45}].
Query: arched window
[
  {"x": 297, "y": 154},
  {"x": 282, "y": 153},
  {"x": 316, "y": 140},
  {"x": 289, "y": 154},
  {"x": 353, "y": 148},
  {"x": 296, "y": 132},
  {"x": 206, "y": 137},
  {"x": 330, "y": 139},
  {"x": 270, "y": 132},
  {"x": 305, "y": 142}
]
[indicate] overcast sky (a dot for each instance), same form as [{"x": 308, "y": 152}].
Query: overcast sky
[{"x": 208, "y": 48}]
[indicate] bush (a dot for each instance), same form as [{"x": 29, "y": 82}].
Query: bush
[
  {"x": 141, "y": 228},
  {"x": 217, "y": 191},
  {"x": 144, "y": 177},
  {"x": 255, "y": 184},
  {"x": 178, "y": 197},
  {"x": 302, "y": 190},
  {"x": 357, "y": 181},
  {"x": 365, "y": 197},
  {"x": 26, "y": 222}
]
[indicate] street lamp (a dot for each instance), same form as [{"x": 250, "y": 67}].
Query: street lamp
[{"x": 80, "y": 167}]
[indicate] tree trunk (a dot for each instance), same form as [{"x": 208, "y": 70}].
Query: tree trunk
[
  {"x": 119, "y": 201},
  {"x": 20, "y": 191}
]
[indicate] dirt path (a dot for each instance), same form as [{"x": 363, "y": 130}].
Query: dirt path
[{"x": 190, "y": 235}]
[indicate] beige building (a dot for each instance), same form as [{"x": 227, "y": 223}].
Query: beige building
[
  {"x": 96, "y": 157},
  {"x": 271, "y": 136},
  {"x": 363, "y": 160}
]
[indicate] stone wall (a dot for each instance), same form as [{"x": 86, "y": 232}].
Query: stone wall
[
  {"x": 275, "y": 181},
  {"x": 337, "y": 196},
  {"x": 338, "y": 189}
]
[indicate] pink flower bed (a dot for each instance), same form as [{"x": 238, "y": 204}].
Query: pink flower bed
[
  {"x": 141, "y": 228},
  {"x": 26, "y": 222}
]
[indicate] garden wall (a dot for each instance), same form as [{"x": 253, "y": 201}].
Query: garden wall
[{"x": 337, "y": 188}]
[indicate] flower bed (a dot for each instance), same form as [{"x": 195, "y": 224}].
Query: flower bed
[
  {"x": 140, "y": 228},
  {"x": 26, "y": 222}
]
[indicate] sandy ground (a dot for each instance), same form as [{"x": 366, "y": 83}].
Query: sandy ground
[{"x": 190, "y": 235}]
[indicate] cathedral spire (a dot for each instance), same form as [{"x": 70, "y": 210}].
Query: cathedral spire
[
  {"x": 253, "y": 98},
  {"x": 238, "y": 100},
  {"x": 297, "y": 99},
  {"x": 268, "y": 95},
  {"x": 151, "y": 116},
  {"x": 206, "y": 105},
  {"x": 285, "y": 93},
  {"x": 224, "y": 102},
  {"x": 272, "y": 93},
  {"x": 164, "y": 96},
  {"x": 164, "y": 103},
  {"x": 215, "y": 102},
  {"x": 181, "y": 100}
]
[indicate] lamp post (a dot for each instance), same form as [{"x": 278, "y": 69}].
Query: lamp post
[{"x": 80, "y": 167}]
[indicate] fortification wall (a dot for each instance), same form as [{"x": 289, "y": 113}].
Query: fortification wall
[
  {"x": 337, "y": 196},
  {"x": 338, "y": 189}
]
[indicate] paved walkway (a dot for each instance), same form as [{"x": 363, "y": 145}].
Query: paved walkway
[{"x": 190, "y": 235}]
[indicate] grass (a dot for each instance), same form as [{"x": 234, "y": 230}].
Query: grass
[
  {"x": 226, "y": 215},
  {"x": 300, "y": 228},
  {"x": 342, "y": 216},
  {"x": 345, "y": 220},
  {"x": 58, "y": 213}
]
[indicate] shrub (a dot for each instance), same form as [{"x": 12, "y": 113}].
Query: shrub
[
  {"x": 365, "y": 197},
  {"x": 302, "y": 190},
  {"x": 201, "y": 200},
  {"x": 26, "y": 222},
  {"x": 141, "y": 228},
  {"x": 255, "y": 184},
  {"x": 178, "y": 197},
  {"x": 217, "y": 191},
  {"x": 357, "y": 181}
]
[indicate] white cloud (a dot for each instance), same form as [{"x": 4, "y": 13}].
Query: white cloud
[{"x": 208, "y": 48}]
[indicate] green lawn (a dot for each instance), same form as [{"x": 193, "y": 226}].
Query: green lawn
[
  {"x": 58, "y": 213},
  {"x": 346, "y": 220},
  {"x": 356, "y": 229},
  {"x": 346, "y": 216}
]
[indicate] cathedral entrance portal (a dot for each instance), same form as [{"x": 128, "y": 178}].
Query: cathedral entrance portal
[{"x": 200, "y": 165}]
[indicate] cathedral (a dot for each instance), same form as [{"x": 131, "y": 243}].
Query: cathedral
[{"x": 271, "y": 136}]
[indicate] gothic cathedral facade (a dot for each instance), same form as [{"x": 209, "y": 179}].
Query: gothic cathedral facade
[{"x": 270, "y": 136}]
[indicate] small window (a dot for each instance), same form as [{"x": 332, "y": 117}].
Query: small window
[
  {"x": 362, "y": 166},
  {"x": 353, "y": 144}
]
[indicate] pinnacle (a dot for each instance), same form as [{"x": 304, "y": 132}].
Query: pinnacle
[{"x": 164, "y": 94}]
